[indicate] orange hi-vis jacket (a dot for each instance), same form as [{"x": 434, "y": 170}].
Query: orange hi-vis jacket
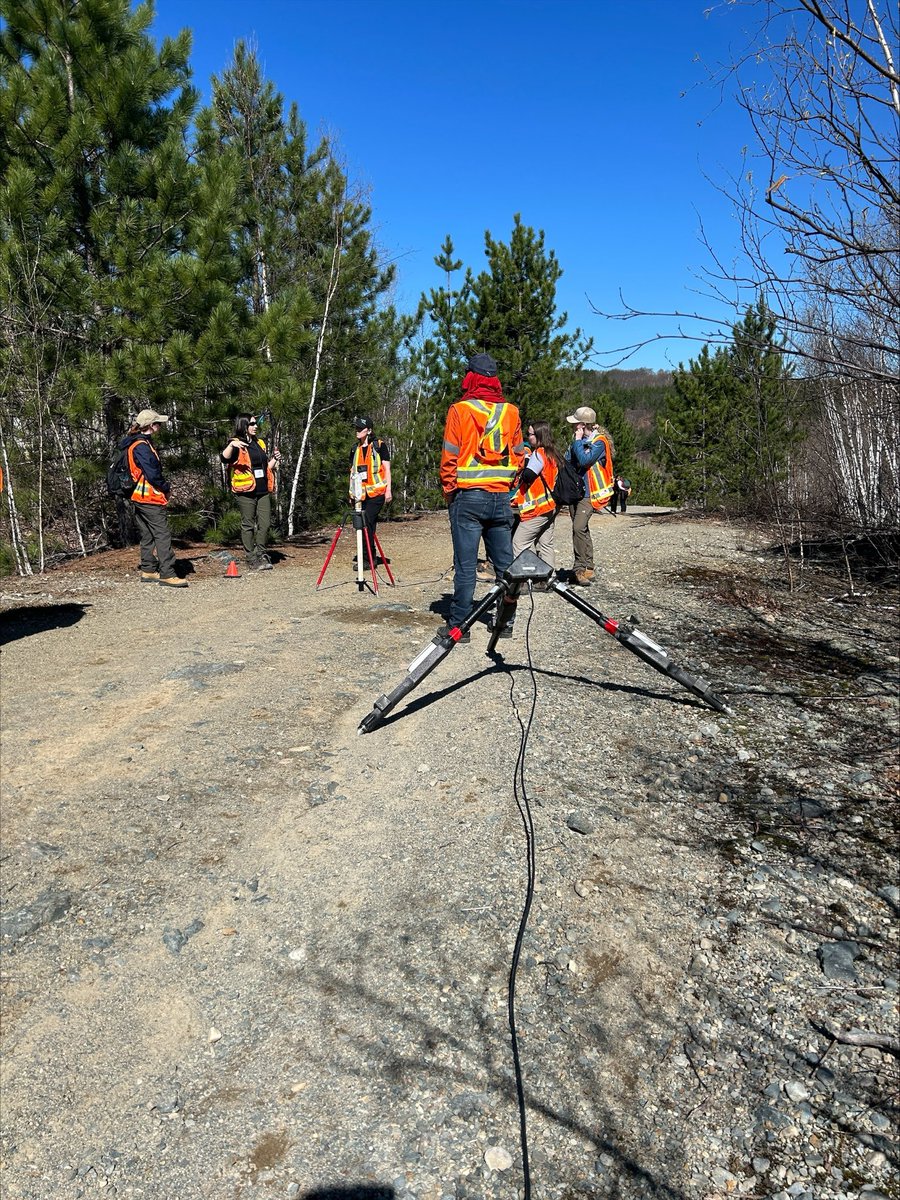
[
  {"x": 144, "y": 492},
  {"x": 535, "y": 500},
  {"x": 242, "y": 477},
  {"x": 600, "y": 485},
  {"x": 483, "y": 444},
  {"x": 368, "y": 467}
]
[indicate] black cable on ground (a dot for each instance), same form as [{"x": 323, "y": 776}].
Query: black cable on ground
[{"x": 524, "y": 807}]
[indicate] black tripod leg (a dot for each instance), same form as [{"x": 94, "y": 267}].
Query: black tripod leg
[
  {"x": 644, "y": 647},
  {"x": 425, "y": 662},
  {"x": 506, "y": 610}
]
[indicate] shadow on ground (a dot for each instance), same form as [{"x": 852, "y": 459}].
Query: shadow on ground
[{"x": 38, "y": 618}]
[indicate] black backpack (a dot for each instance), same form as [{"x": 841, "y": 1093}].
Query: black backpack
[
  {"x": 118, "y": 478},
  {"x": 569, "y": 486}
]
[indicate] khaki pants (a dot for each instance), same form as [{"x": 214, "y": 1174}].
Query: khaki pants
[
  {"x": 537, "y": 534},
  {"x": 582, "y": 545}
]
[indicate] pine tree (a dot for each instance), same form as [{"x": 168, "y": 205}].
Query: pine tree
[
  {"x": 516, "y": 321},
  {"x": 438, "y": 364},
  {"x": 692, "y": 425},
  {"x": 116, "y": 248},
  {"x": 762, "y": 425}
]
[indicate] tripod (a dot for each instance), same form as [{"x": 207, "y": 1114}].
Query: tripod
[
  {"x": 362, "y": 532},
  {"x": 524, "y": 571}
]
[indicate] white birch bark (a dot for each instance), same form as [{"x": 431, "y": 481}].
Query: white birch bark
[
  {"x": 333, "y": 277},
  {"x": 23, "y": 566}
]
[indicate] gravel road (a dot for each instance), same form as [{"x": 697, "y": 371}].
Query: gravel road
[{"x": 248, "y": 953}]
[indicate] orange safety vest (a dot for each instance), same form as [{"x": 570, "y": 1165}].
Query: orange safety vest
[
  {"x": 144, "y": 492},
  {"x": 242, "y": 477},
  {"x": 367, "y": 463},
  {"x": 600, "y": 479},
  {"x": 536, "y": 499},
  {"x": 492, "y": 460}
]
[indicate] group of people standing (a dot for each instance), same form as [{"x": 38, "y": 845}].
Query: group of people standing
[
  {"x": 251, "y": 470},
  {"x": 491, "y": 476}
]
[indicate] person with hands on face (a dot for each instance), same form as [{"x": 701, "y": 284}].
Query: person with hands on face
[
  {"x": 370, "y": 477},
  {"x": 150, "y": 499},
  {"x": 252, "y": 477},
  {"x": 591, "y": 454}
]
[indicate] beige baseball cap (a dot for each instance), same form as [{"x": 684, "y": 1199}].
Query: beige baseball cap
[
  {"x": 583, "y": 416},
  {"x": 148, "y": 417}
]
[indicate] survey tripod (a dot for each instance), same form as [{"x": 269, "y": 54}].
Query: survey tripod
[
  {"x": 362, "y": 532},
  {"x": 528, "y": 569}
]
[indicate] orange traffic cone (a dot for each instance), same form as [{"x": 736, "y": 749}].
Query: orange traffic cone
[{"x": 231, "y": 571}]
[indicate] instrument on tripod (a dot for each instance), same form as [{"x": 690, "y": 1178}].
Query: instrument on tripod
[
  {"x": 363, "y": 535},
  {"x": 528, "y": 568}
]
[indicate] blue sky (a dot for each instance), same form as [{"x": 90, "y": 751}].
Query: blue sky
[{"x": 591, "y": 118}]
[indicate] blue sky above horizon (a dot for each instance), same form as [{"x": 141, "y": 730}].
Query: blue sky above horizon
[{"x": 591, "y": 119}]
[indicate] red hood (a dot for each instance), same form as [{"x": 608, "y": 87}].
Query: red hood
[{"x": 482, "y": 387}]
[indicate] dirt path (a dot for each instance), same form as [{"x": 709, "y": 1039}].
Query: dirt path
[{"x": 249, "y": 953}]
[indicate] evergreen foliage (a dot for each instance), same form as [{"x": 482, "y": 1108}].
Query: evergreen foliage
[
  {"x": 733, "y": 420},
  {"x": 515, "y": 319}
]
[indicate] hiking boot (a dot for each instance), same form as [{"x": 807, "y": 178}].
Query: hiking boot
[
  {"x": 260, "y": 562},
  {"x": 149, "y": 576},
  {"x": 485, "y": 572},
  {"x": 444, "y": 631},
  {"x": 505, "y": 632},
  {"x": 174, "y": 581},
  {"x": 582, "y": 578}
]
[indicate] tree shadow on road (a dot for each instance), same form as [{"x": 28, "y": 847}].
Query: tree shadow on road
[{"x": 38, "y": 618}]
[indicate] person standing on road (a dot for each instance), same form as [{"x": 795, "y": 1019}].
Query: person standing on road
[
  {"x": 591, "y": 454},
  {"x": 481, "y": 456},
  {"x": 621, "y": 492},
  {"x": 533, "y": 500},
  {"x": 252, "y": 477},
  {"x": 370, "y": 477},
  {"x": 150, "y": 499}
]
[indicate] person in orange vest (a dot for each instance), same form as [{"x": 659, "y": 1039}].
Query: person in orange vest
[
  {"x": 482, "y": 452},
  {"x": 150, "y": 499},
  {"x": 591, "y": 454},
  {"x": 252, "y": 476},
  {"x": 370, "y": 476},
  {"x": 533, "y": 500}
]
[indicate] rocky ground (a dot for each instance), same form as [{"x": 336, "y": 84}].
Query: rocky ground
[{"x": 248, "y": 953}]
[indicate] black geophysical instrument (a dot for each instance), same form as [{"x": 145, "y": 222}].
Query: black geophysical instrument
[{"x": 528, "y": 569}]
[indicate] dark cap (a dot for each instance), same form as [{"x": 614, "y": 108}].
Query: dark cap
[
  {"x": 361, "y": 423},
  {"x": 483, "y": 364}
]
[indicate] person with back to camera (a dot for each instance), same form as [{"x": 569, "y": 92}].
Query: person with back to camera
[
  {"x": 370, "y": 477},
  {"x": 252, "y": 477},
  {"x": 533, "y": 500},
  {"x": 481, "y": 456},
  {"x": 591, "y": 454},
  {"x": 621, "y": 492},
  {"x": 150, "y": 499}
]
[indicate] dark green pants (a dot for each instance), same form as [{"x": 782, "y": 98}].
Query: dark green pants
[
  {"x": 256, "y": 517},
  {"x": 157, "y": 554}
]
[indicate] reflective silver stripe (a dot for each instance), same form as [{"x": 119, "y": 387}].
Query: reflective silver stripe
[
  {"x": 485, "y": 474},
  {"x": 450, "y": 448}
]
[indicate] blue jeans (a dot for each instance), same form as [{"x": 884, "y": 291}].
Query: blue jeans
[{"x": 474, "y": 514}]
